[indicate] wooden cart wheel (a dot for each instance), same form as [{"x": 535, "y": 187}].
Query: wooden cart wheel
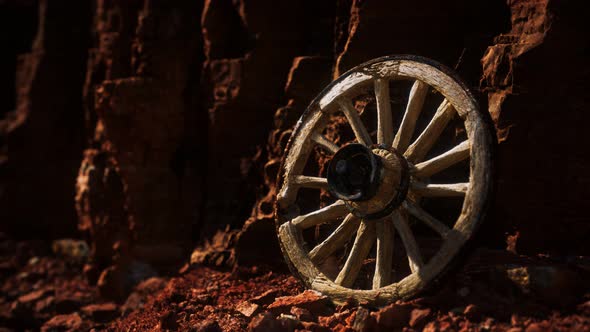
[{"x": 381, "y": 181}]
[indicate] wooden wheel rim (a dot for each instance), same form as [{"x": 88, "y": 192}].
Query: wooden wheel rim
[{"x": 304, "y": 137}]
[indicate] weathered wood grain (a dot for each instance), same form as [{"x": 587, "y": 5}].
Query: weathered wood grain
[
  {"x": 311, "y": 182},
  {"x": 291, "y": 240},
  {"x": 328, "y": 213},
  {"x": 325, "y": 143},
  {"x": 425, "y": 217},
  {"x": 413, "y": 110},
  {"x": 418, "y": 150},
  {"x": 354, "y": 119},
  {"x": 365, "y": 237},
  {"x": 336, "y": 240},
  {"x": 384, "y": 261},
  {"x": 296, "y": 157},
  {"x": 440, "y": 190},
  {"x": 384, "y": 117},
  {"x": 443, "y": 161},
  {"x": 400, "y": 221}
]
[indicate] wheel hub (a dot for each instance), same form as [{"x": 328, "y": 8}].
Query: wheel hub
[{"x": 371, "y": 182}]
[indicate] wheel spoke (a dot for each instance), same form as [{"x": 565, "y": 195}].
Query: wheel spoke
[
  {"x": 365, "y": 237},
  {"x": 430, "y": 135},
  {"x": 400, "y": 221},
  {"x": 325, "y": 143},
  {"x": 353, "y": 117},
  {"x": 440, "y": 190},
  {"x": 443, "y": 161},
  {"x": 426, "y": 218},
  {"x": 413, "y": 109},
  {"x": 383, "y": 265},
  {"x": 336, "y": 240},
  {"x": 384, "y": 119},
  {"x": 330, "y": 212},
  {"x": 311, "y": 182}
]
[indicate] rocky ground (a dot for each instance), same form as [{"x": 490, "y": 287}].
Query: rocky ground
[{"x": 44, "y": 289}]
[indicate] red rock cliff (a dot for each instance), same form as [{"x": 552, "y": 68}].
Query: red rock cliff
[{"x": 174, "y": 115}]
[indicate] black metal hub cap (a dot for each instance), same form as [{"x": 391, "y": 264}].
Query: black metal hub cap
[{"x": 365, "y": 180}]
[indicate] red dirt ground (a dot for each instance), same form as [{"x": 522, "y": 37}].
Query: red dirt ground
[{"x": 492, "y": 291}]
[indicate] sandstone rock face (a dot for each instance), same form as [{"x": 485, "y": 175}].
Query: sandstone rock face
[
  {"x": 244, "y": 84},
  {"x": 308, "y": 76},
  {"x": 42, "y": 139},
  {"x": 140, "y": 181},
  {"x": 18, "y": 24},
  {"x": 174, "y": 116},
  {"x": 534, "y": 76},
  {"x": 455, "y": 33}
]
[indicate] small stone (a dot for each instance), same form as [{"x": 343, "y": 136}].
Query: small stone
[
  {"x": 71, "y": 322},
  {"x": 302, "y": 314},
  {"x": 419, "y": 317},
  {"x": 335, "y": 319},
  {"x": 184, "y": 269},
  {"x": 288, "y": 322},
  {"x": 217, "y": 251},
  {"x": 203, "y": 299},
  {"x": 313, "y": 301},
  {"x": 264, "y": 323},
  {"x": 25, "y": 304},
  {"x": 101, "y": 313},
  {"x": 265, "y": 298},
  {"x": 35, "y": 296},
  {"x": 488, "y": 323},
  {"x": 213, "y": 288},
  {"x": 247, "y": 309},
  {"x": 430, "y": 327},
  {"x": 151, "y": 285},
  {"x": 394, "y": 316}
]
